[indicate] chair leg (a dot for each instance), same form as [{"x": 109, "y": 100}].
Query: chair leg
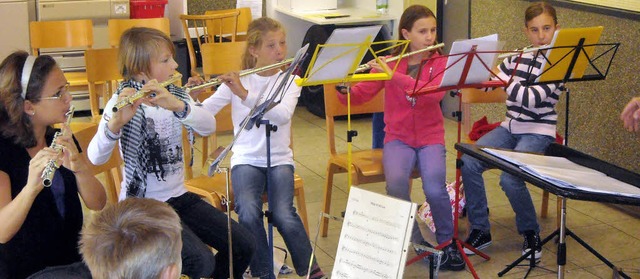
[
  {"x": 326, "y": 203},
  {"x": 301, "y": 204},
  {"x": 544, "y": 210}
]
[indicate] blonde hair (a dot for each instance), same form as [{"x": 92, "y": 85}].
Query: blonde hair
[
  {"x": 257, "y": 29},
  {"x": 135, "y": 238},
  {"x": 138, "y": 46}
]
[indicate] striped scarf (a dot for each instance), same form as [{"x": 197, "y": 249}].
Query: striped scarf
[{"x": 133, "y": 142}]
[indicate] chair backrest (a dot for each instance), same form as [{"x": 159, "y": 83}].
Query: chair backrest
[
  {"x": 244, "y": 18},
  {"x": 333, "y": 107},
  {"x": 111, "y": 169},
  {"x": 471, "y": 96},
  {"x": 220, "y": 58},
  {"x": 118, "y": 26},
  {"x": 199, "y": 24},
  {"x": 61, "y": 34},
  {"x": 102, "y": 75}
]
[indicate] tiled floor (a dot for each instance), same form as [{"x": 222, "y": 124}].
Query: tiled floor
[{"x": 612, "y": 232}]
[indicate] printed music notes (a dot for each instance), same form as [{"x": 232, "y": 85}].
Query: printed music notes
[{"x": 374, "y": 237}]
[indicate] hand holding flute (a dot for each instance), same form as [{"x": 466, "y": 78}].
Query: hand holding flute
[{"x": 152, "y": 94}]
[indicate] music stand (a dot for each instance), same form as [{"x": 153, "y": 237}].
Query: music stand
[
  {"x": 467, "y": 67},
  {"x": 563, "y": 192},
  {"x": 570, "y": 58},
  {"x": 567, "y": 59},
  {"x": 346, "y": 46}
]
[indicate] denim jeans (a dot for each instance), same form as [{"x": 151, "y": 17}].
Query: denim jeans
[
  {"x": 249, "y": 183},
  {"x": 203, "y": 224},
  {"x": 377, "y": 130},
  {"x": 514, "y": 187},
  {"x": 399, "y": 160}
]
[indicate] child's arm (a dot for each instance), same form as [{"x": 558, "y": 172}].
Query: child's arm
[{"x": 103, "y": 142}]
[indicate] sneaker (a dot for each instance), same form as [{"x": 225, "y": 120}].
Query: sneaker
[
  {"x": 420, "y": 250},
  {"x": 451, "y": 259},
  {"x": 479, "y": 240},
  {"x": 285, "y": 269},
  {"x": 532, "y": 240}
]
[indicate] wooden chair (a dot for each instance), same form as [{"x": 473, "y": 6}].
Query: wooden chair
[
  {"x": 244, "y": 18},
  {"x": 366, "y": 165},
  {"x": 202, "y": 34},
  {"x": 213, "y": 189},
  {"x": 102, "y": 75},
  {"x": 118, "y": 26},
  {"x": 471, "y": 96},
  {"x": 75, "y": 34},
  {"x": 220, "y": 58},
  {"x": 112, "y": 169}
]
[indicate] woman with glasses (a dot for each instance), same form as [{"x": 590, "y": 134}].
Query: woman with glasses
[{"x": 40, "y": 225}]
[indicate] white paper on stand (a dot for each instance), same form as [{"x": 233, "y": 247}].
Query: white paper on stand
[{"x": 478, "y": 73}]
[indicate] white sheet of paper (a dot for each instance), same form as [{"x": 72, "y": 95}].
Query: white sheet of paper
[
  {"x": 565, "y": 173},
  {"x": 375, "y": 236},
  {"x": 333, "y": 61},
  {"x": 477, "y": 72}
]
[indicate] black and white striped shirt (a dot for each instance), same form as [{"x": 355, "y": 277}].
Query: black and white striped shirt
[{"x": 530, "y": 109}]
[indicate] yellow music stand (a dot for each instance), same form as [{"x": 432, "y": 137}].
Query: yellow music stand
[
  {"x": 347, "y": 47},
  {"x": 559, "y": 64}
]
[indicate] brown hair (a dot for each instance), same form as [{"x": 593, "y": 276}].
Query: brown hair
[
  {"x": 138, "y": 46},
  {"x": 537, "y": 9},
  {"x": 410, "y": 15},
  {"x": 256, "y": 31},
  {"x": 14, "y": 122},
  {"x": 135, "y": 238}
]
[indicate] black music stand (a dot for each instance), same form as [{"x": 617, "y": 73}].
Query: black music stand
[
  {"x": 563, "y": 193},
  {"x": 568, "y": 64},
  {"x": 475, "y": 56}
]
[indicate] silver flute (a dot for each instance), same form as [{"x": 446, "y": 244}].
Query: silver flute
[{"x": 52, "y": 165}]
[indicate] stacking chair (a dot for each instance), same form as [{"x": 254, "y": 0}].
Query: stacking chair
[
  {"x": 244, "y": 18},
  {"x": 111, "y": 169},
  {"x": 220, "y": 58},
  {"x": 471, "y": 96},
  {"x": 102, "y": 75},
  {"x": 65, "y": 34},
  {"x": 118, "y": 26},
  {"x": 197, "y": 27},
  {"x": 366, "y": 165}
]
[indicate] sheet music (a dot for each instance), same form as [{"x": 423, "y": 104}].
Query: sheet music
[
  {"x": 375, "y": 236},
  {"x": 564, "y": 173},
  {"x": 333, "y": 62},
  {"x": 477, "y": 72}
]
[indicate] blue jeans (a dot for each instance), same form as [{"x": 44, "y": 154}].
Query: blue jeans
[
  {"x": 202, "y": 225},
  {"x": 377, "y": 130},
  {"x": 249, "y": 183},
  {"x": 399, "y": 160},
  {"x": 514, "y": 187}
]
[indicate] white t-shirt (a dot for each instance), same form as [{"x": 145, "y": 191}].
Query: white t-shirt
[{"x": 251, "y": 146}]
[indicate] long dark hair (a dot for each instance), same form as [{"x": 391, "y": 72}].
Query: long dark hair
[{"x": 14, "y": 122}]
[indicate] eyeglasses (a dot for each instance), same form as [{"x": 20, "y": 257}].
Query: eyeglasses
[{"x": 60, "y": 94}]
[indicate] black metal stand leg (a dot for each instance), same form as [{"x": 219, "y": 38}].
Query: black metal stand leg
[
  {"x": 268, "y": 129},
  {"x": 561, "y": 257}
]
